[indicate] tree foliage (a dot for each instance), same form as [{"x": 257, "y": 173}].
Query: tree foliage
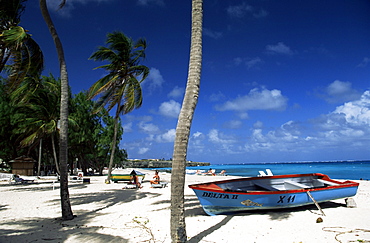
[
  {"x": 20, "y": 55},
  {"x": 121, "y": 87},
  {"x": 91, "y": 141}
]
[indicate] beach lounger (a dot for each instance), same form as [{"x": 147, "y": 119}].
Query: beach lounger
[
  {"x": 130, "y": 186},
  {"x": 15, "y": 179},
  {"x": 268, "y": 173},
  {"x": 160, "y": 185}
]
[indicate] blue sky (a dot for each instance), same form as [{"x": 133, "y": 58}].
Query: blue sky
[{"x": 281, "y": 80}]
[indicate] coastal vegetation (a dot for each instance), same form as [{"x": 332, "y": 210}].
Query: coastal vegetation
[
  {"x": 30, "y": 107},
  {"x": 40, "y": 118}
]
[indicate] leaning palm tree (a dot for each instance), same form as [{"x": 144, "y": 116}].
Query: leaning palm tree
[
  {"x": 63, "y": 139},
  {"x": 178, "y": 229},
  {"x": 120, "y": 88}
]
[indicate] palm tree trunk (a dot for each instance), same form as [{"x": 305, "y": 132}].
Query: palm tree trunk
[
  {"x": 40, "y": 154},
  {"x": 55, "y": 153},
  {"x": 114, "y": 142},
  {"x": 178, "y": 228},
  {"x": 63, "y": 145}
]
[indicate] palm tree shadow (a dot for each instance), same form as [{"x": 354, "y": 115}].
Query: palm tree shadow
[
  {"x": 201, "y": 235},
  {"x": 52, "y": 230},
  {"x": 38, "y": 187},
  {"x": 59, "y": 230},
  {"x": 192, "y": 206}
]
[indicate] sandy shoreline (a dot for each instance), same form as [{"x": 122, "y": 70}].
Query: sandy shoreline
[{"x": 106, "y": 213}]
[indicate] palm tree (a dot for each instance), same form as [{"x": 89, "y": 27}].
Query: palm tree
[
  {"x": 178, "y": 229},
  {"x": 17, "y": 48},
  {"x": 120, "y": 88},
  {"x": 40, "y": 107},
  {"x": 63, "y": 139}
]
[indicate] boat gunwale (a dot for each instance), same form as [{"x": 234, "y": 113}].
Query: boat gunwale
[{"x": 205, "y": 186}]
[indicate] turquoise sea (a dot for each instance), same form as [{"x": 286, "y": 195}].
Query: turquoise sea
[{"x": 337, "y": 170}]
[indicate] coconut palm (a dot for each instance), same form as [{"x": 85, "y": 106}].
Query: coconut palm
[
  {"x": 178, "y": 229},
  {"x": 41, "y": 114},
  {"x": 63, "y": 139},
  {"x": 120, "y": 88},
  {"x": 19, "y": 53}
]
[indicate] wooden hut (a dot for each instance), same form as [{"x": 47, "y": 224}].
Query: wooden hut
[{"x": 23, "y": 166}]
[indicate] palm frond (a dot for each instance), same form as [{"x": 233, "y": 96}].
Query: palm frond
[{"x": 120, "y": 87}]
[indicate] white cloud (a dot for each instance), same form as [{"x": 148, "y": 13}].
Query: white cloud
[
  {"x": 253, "y": 62},
  {"x": 216, "y": 97},
  {"x": 346, "y": 128},
  {"x": 213, "y": 34},
  {"x": 215, "y": 136},
  {"x": 233, "y": 124},
  {"x": 356, "y": 112},
  {"x": 148, "y": 2},
  {"x": 364, "y": 62},
  {"x": 196, "y": 143},
  {"x": 279, "y": 48},
  {"x": 241, "y": 10},
  {"x": 249, "y": 62},
  {"x": 338, "y": 87},
  {"x": 143, "y": 150},
  {"x": 257, "y": 99},
  {"x": 154, "y": 80},
  {"x": 223, "y": 144},
  {"x": 177, "y": 92},
  {"x": 260, "y": 14},
  {"x": 258, "y": 124},
  {"x": 127, "y": 127},
  {"x": 167, "y": 137},
  {"x": 170, "y": 109},
  {"x": 339, "y": 91},
  {"x": 149, "y": 128},
  {"x": 243, "y": 115},
  {"x": 197, "y": 134},
  {"x": 237, "y": 61}
]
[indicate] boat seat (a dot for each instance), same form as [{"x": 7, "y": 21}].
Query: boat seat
[
  {"x": 327, "y": 182},
  {"x": 265, "y": 186},
  {"x": 290, "y": 185}
]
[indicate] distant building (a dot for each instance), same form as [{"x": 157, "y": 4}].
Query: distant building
[{"x": 22, "y": 166}]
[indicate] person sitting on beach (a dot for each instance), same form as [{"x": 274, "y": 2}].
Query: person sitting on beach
[
  {"x": 135, "y": 180},
  {"x": 210, "y": 172},
  {"x": 222, "y": 173},
  {"x": 156, "y": 178},
  {"x": 17, "y": 178}
]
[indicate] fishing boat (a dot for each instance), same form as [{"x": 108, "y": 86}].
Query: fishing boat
[
  {"x": 124, "y": 175},
  {"x": 270, "y": 192}
]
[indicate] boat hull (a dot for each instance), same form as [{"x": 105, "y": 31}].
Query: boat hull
[
  {"x": 216, "y": 200},
  {"x": 124, "y": 177}
]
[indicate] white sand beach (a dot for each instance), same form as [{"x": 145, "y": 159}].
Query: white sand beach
[{"x": 107, "y": 213}]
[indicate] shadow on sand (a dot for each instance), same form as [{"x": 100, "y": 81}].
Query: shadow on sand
[
  {"x": 195, "y": 209},
  {"x": 56, "y": 230}
]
